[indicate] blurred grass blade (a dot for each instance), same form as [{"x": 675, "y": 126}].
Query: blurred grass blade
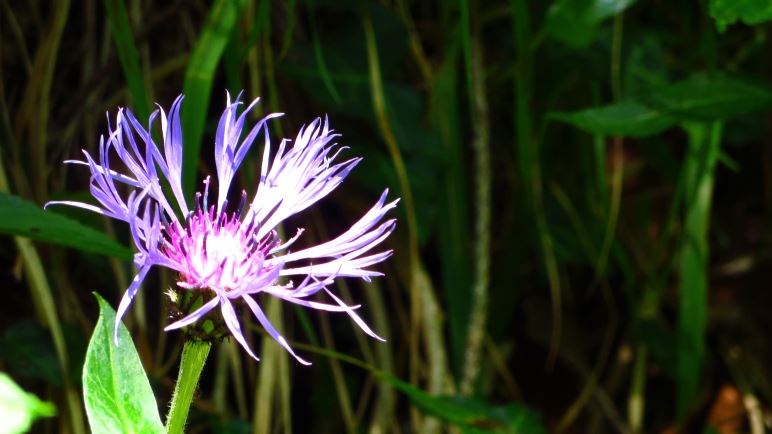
[
  {"x": 288, "y": 32},
  {"x": 699, "y": 167},
  {"x": 199, "y": 76},
  {"x": 324, "y": 72},
  {"x": 19, "y": 217},
  {"x": 267, "y": 390},
  {"x": 455, "y": 247},
  {"x": 529, "y": 164},
  {"x": 232, "y": 57},
  {"x": 127, "y": 53},
  {"x": 384, "y": 127}
]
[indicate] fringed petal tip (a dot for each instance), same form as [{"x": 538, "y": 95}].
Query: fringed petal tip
[{"x": 115, "y": 333}]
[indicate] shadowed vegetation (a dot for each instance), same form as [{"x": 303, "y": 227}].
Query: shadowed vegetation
[{"x": 583, "y": 239}]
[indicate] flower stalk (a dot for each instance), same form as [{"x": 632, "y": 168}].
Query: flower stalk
[{"x": 194, "y": 354}]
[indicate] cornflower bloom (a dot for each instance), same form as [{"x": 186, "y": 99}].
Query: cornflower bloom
[{"x": 232, "y": 254}]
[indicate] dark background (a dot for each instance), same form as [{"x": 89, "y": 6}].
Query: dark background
[{"x": 619, "y": 255}]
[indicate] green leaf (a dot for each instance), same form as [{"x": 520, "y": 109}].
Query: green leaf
[
  {"x": 116, "y": 390},
  {"x": 19, "y": 217},
  {"x": 710, "y": 97},
  {"x": 576, "y": 22},
  {"x": 700, "y": 97},
  {"x": 750, "y": 12},
  {"x": 18, "y": 409},
  {"x": 471, "y": 415},
  {"x": 625, "y": 118},
  {"x": 199, "y": 76}
]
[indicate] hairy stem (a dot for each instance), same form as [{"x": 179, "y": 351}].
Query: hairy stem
[{"x": 194, "y": 355}]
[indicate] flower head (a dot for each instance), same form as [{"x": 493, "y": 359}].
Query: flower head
[{"x": 231, "y": 253}]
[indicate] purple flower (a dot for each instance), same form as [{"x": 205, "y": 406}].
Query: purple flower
[{"x": 234, "y": 252}]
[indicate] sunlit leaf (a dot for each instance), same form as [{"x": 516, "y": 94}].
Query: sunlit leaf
[
  {"x": 116, "y": 391},
  {"x": 19, "y": 217},
  {"x": 18, "y": 409},
  {"x": 728, "y": 12}
]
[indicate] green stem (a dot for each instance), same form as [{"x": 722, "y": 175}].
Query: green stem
[{"x": 194, "y": 355}]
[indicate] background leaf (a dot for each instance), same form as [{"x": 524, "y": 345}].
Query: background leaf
[
  {"x": 576, "y": 22},
  {"x": 626, "y": 118},
  {"x": 19, "y": 217},
  {"x": 728, "y": 12},
  {"x": 18, "y": 409},
  {"x": 710, "y": 97},
  {"x": 700, "y": 97},
  {"x": 471, "y": 415},
  {"x": 116, "y": 390}
]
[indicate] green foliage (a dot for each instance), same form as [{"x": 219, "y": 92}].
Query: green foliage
[
  {"x": 576, "y": 23},
  {"x": 23, "y": 218},
  {"x": 626, "y": 118},
  {"x": 116, "y": 391},
  {"x": 750, "y": 12},
  {"x": 631, "y": 203},
  {"x": 700, "y": 97},
  {"x": 18, "y": 409},
  {"x": 710, "y": 97},
  {"x": 471, "y": 415}
]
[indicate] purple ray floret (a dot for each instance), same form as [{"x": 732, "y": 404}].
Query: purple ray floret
[{"x": 233, "y": 250}]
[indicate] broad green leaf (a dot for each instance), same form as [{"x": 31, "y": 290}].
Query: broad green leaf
[
  {"x": 18, "y": 409},
  {"x": 115, "y": 388},
  {"x": 700, "y": 97},
  {"x": 750, "y": 12},
  {"x": 472, "y": 416},
  {"x": 626, "y": 118},
  {"x": 710, "y": 97},
  {"x": 19, "y": 217},
  {"x": 199, "y": 75},
  {"x": 576, "y": 22}
]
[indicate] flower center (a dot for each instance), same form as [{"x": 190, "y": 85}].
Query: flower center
[{"x": 217, "y": 250}]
